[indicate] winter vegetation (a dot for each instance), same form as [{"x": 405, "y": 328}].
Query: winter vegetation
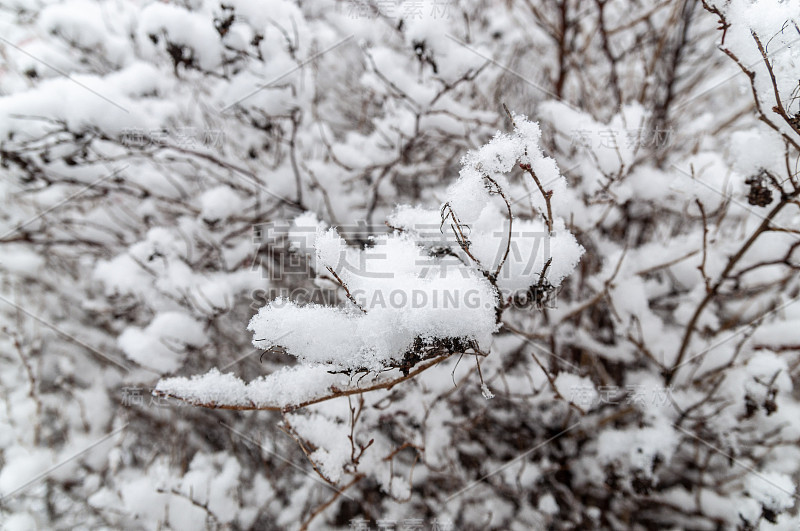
[{"x": 399, "y": 265}]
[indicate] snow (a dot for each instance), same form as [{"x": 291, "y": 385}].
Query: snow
[
  {"x": 23, "y": 464},
  {"x": 220, "y": 203},
  {"x": 286, "y": 387},
  {"x": 320, "y": 431},
  {"x": 140, "y": 497},
  {"x": 19, "y": 260},
  {"x": 577, "y": 389},
  {"x": 161, "y": 345},
  {"x": 773, "y": 490},
  {"x": 167, "y": 262},
  {"x": 637, "y": 448},
  {"x": 422, "y": 222},
  {"x": 331, "y": 249},
  {"x": 20, "y": 522},
  {"x": 84, "y": 23},
  {"x": 486, "y": 392},
  {"x": 751, "y": 152},
  {"x": 398, "y": 293},
  {"x": 181, "y": 27},
  {"x": 469, "y": 195},
  {"x": 66, "y": 100},
  {"x": 548, "y": 504},
  {"x": 303, "y": 233},
  {"x": 405, "y": 294},
  {"x": 211, "y": 479},
  {"x": 768, "y": 368}
]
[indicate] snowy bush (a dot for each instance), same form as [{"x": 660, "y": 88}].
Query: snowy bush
[{"x": 429, "y": 265}]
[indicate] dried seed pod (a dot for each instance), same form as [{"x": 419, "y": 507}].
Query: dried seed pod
[
  {"x": 759, "y": 194},
  {"x": 795, "y": 120}
]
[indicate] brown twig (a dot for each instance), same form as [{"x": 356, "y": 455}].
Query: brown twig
[
  {"x": 710, "y": 295},
  {"x": 546, "y": 194},
  {"x": 702, "y": 266},
  {"x": 334, "y": 392},
  {"x": 510, "y": 224},
  {"x": 328, "y": 503},
  {"x": 346, "y": 289}
]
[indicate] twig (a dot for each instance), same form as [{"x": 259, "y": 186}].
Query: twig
[
  {"x": 546, "y": 194},
  {"x": 335, "y": 392},
  {"x": 328, "y": 503},
  {"x": 553, "y": 386},
  {"x": 702, "y": 266},
  {"x": 778, "y": 108},
  {"x": 346, "y": 289},
  {"x": 510, "y": 224},
  {"x": 732, "y": 261}
]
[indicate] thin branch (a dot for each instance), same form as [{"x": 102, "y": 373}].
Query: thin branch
[
  {"x": 334, "y": 392},
  {"x": 328, "y": 503},
  {"x": 546, "y": 194},
  {"x": 346, "y": 289}
]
